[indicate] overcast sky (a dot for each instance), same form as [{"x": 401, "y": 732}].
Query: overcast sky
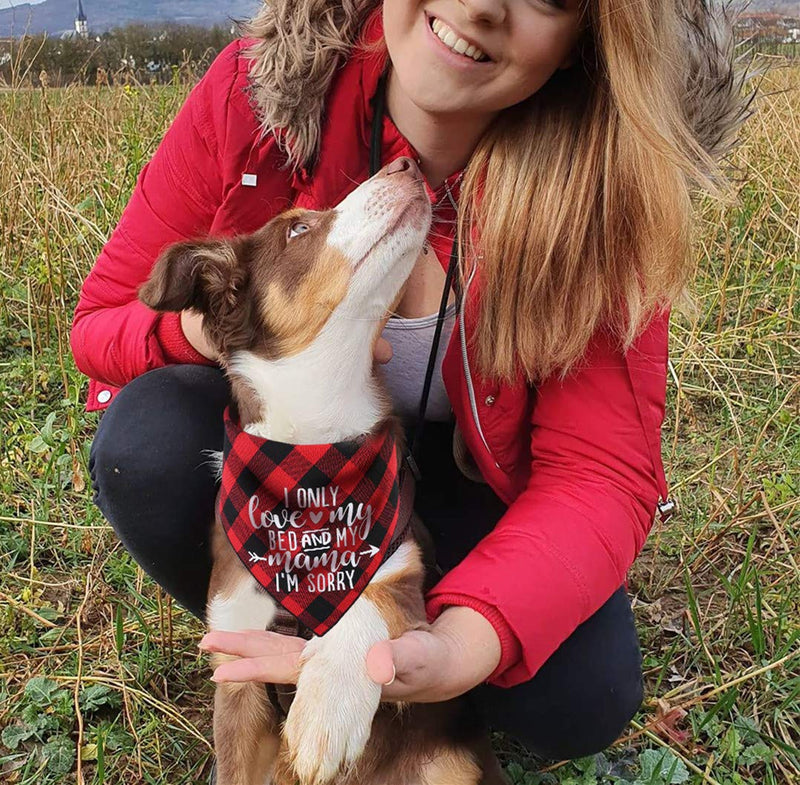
[{"x": 9, "y": 3}]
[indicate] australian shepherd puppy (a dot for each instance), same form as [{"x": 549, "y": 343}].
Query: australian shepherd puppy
[{"x": 294, "y": 310}]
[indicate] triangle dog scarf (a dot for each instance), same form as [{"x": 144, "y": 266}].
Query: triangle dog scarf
[{"x": 311, "y": 522}]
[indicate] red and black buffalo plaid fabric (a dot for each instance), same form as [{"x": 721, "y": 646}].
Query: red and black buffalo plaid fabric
[{"x": 311, "y": 522}]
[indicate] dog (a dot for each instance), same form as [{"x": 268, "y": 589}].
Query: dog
[{"x": 294, "y": 311}]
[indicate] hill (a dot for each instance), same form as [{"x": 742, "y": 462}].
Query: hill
[{"x": 57, "y": 16}]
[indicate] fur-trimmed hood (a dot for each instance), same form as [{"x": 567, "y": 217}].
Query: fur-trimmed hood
[
  {"x": 300, "y": 44},
  {"x": 716, "y": 101}
]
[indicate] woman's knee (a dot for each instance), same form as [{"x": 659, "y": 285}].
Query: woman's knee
[
  {"x": 580, "y": 723},
  {"x": 158, "y": 426},
  {"x": 582, "y": 698},
  {"x": 588, "y": 726},
  {"x": 152, "y": 476}
]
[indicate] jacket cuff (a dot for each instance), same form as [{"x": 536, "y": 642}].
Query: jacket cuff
[
  {"x": 510, "y": 647},
  {"x": 175, "y": 346}
]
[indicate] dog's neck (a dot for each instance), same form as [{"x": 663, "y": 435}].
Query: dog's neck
[{"x": 326, "y": 393}]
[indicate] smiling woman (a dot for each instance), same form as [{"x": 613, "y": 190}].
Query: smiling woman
[{"x": 562, "y": 140}]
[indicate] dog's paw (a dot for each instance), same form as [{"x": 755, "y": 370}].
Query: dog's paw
[
  {"x": 328, "y": 725},
  {"x": 330, "y": 720}
]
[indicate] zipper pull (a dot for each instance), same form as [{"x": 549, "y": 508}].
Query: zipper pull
[
  {"x": 667, "y": 508},
  {"x": 413, "y": 467}
]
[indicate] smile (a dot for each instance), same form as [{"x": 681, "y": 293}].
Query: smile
[{"x": 451, "y": 39}]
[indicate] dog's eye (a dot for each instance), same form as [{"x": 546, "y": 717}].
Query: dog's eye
[{"x": 297, "y": 228}]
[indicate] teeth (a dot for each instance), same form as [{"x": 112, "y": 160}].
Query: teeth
[{"x": 451, "y": 40}]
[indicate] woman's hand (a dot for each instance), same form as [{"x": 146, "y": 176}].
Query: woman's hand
[
  {"x": 382, "y": 351},
  {"x": 458, "y": 652},
  {"x": 192, "y": 326}
]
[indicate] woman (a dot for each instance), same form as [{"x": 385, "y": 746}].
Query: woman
[{"x": 562, "y": 137}]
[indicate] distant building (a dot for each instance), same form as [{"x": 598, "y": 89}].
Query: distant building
[{"x": 81, "y": 23}]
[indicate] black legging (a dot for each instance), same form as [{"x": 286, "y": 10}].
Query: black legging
[{"x": 153, "y": 483}]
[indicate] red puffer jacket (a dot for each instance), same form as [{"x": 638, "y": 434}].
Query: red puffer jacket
[{"x": 577, "y": 460}]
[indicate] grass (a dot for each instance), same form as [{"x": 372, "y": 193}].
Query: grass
[{"x": 100, "y": 678}]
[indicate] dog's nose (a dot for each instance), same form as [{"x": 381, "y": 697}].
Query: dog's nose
[{"x": 400, "y": 165}]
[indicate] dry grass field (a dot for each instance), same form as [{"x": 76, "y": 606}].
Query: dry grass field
[{"x": 100, "y": 677}]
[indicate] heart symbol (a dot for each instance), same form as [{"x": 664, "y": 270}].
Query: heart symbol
[{"x": 316, "y": 517}]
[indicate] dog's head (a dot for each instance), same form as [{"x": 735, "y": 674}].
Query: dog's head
[{"x": 273, "y": 292}]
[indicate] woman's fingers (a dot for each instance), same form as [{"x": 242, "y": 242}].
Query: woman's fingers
[
  {"x": 266, "y": 656},
  {"x": 269, "y": 669},
  {"x": 251, "y": 643},
  {"x": 382, "y": 351}
]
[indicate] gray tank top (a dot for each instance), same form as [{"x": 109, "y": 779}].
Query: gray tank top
[{"x": 404, "y": 374}]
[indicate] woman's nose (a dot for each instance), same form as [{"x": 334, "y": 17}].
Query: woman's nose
[{"x": 492, "y": 11}]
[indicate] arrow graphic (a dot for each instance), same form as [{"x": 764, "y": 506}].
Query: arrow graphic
[{"x": 371, "y": 551}]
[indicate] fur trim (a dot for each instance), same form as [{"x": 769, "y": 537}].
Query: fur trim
[
  {"x": 301, "y": 43},
  {"x": 715, "y": 101}
]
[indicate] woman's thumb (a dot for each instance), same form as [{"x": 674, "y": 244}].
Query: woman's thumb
[
  {"x": 380, "y": 663},
  {"x": 404, "y": 665}
]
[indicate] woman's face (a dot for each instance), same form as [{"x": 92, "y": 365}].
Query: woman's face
[{"x": 521, "y": 44}]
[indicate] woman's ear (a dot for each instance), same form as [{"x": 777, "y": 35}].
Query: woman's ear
[
  {"x": 581, "y": 44},
  {"x": 192, "y": 275},
  {"x": 570, "y": 58}
]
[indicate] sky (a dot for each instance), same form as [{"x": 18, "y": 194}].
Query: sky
[{"x": 9, "y": 3}]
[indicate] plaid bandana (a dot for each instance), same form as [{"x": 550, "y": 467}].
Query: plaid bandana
[{"x": 311, "y": 522}]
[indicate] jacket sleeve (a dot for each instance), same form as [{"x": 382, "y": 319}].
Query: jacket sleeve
[
  {"x": 566, "y": 543},
  {"x": 114, "y": 337}
]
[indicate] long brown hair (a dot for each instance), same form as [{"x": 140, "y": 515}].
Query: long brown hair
[{"x": 576, "y": 204}]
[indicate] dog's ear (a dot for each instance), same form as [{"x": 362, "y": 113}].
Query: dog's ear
[{"x": 201, "y": 275}]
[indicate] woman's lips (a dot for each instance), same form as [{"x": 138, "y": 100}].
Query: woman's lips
[
  {"x": 449, "y": 53},
  {"x": 454, "y": 41}
]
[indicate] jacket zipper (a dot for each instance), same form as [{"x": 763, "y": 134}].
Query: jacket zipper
[
  {"x": 470, "y": 388},
  {"x": 463, "y": 335}
]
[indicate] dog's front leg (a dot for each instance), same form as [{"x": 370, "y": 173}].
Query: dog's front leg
[
  {"x": 330, "y": 720},
  {"x": 246, "y": 731}
]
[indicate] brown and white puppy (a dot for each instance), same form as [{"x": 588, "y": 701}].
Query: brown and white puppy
[{"x": 294, "y": 311}]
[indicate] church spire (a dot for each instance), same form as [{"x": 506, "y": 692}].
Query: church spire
[{"x": 81, "y": 23}]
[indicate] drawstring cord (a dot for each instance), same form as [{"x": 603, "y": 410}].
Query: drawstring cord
[{"x": 412, "y": 453}]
